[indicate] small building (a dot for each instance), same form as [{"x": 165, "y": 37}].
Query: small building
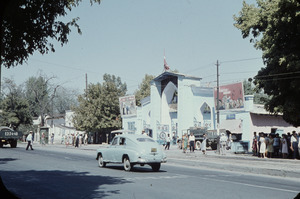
[{"x": 60, "y": 126}]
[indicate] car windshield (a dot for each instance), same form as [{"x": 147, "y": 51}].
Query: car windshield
[{"x": 145, "y": 140}]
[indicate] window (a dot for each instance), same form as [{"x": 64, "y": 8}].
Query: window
[
  {"x": 115, "y": 141},
  {"x": 145, "y": 140},
  {"x": 122, "y": 141},
  {"x": 131, "y": 126}
]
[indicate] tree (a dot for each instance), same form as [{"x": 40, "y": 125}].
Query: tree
[
  {"x": 40, "y": 94},
  {"x": 98, "y": 108},
  {"x": 64, "y": 100},
  {"x": 144, "y": 89},
  {"x": 27, "y": 26},
  {"x": 273, "y": 27},
  {"x": 259, "y": 96},
  {"x": 15, "y": 108}
]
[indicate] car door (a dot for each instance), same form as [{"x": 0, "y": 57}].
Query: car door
[
  {"x": 120, "y": 149},
  {"x": 112, "y": 150}
]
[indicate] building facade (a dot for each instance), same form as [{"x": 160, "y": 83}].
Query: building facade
[{"x": 179, "y": 102}]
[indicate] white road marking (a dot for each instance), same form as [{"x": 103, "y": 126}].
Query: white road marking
[{"x": 251, "y": 185}]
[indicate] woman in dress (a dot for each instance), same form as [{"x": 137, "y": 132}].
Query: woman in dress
[
  {"x": 254, "y": 144},
  {"x": 185, "y": 143},
  {"x": 284, "y": 146},
  {"x": 270, "y": 147},
  {"x": 262, "y": 149}
]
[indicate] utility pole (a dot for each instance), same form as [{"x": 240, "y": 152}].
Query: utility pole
[
  {"x": 86, "y": 84},
  {"x": 218, "y": 111}
]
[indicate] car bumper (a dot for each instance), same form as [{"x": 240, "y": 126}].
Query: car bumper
[{"x": 152, "y": 159}]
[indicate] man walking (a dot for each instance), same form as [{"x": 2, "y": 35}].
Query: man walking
[
  {"x": 29, "y": 140},
  {"x": 168, "y": 139}
]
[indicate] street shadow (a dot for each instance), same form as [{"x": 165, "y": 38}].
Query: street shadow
[
  {"x": 58, "y": 184},
  {"x": 136, "y": 169},
  {"x": 5, "y": 160}
]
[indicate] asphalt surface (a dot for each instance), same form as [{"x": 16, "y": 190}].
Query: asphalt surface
[{"x": 243, "y": 163}]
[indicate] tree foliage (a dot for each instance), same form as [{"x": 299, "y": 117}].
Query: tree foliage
[
  {"x": 144, "y": 89},
  {"x": 40, "y": 93},
  {"x": 99, "y": 107},
  {"x": 64, "y": 100},
  {"x": 259, "y": 96},
  {"x": 14, "y": 107},
  {"x": 273, "y": 26},
  {"x": 28, "y": 26}
]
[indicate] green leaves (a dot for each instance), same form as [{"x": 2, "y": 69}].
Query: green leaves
[
  {"x": 27, "y": 26},
  {"x": 144, "y": 89},
  {"x": 273, "y": 27},
  {"x": 15, "y": 108},
  {"x": 99, "y": 107}
]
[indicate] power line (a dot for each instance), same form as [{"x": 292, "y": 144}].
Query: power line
[
  {"x": 240, "y": 60},
  {"x": 278, "y": 74}
]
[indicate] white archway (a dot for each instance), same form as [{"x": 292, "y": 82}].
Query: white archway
[{"x": 166, "y": 99}]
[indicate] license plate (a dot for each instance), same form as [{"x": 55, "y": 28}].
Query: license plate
[{"x": 153, "y": 150}]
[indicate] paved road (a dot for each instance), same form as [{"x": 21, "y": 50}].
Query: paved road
[{"x": 59, "y": 172}]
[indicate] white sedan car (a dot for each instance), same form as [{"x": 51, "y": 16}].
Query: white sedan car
[{"x": 128, "y": 149}]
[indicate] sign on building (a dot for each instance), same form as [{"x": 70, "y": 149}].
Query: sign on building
[
  {"x": 127, "y": 105},
  {"x": 230, "y": 96}
]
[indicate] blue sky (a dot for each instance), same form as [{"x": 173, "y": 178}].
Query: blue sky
[{"x": 127, "y": 38}]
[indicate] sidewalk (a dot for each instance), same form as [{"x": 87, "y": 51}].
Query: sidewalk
[{"x": 243, "y": 163}]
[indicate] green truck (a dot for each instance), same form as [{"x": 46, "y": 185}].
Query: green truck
[
  {"x": 9, "y": 136},
  {"x": 211, "y": 135}
]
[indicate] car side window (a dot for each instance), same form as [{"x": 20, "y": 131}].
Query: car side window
[
  {"x": 122, "y": 141},
  {"x": 115, "y": 141}
]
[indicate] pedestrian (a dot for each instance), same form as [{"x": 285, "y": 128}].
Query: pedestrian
[
  {"x": 203, "y": 144},
  {"x": 294, "y": 144},
  {"x": 29, "y": 141},
  {"x": 43, "y": 139},
  {"x": 185, "y": 142},
  {"x": 67, "y": 140},
  {"x": 262, "y": 149},
  {"x": 80, "y": 140},
  {"x": 270, "y": 147},
  {"x": 276, "y": 145},
  {"x": 52, "y": 138},
  {"x": 85, "y": 139},
  {"x": 168, "y": 139},
  {"x": 76, "y": 140},
  {"x": 254, "y": 144},
  {"x": 223, "y": 141},
  {"x": 192, "y": 142},
  {"x": 284, "y": 146}
]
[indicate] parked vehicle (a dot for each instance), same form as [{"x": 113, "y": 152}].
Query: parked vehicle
[
  {"x": 9, "y": 136},
  {"x": 130, "y": 150},
  {"x": 211, "y": 135}
]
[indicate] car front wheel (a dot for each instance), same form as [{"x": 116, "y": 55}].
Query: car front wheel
[
  {"x": 101, "y": 162},
  {"x": 127, "y": 164},
  {"x": 155, "y": 167}
]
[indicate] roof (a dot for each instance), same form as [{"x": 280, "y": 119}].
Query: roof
[
  {"x": 168, "y": 74},
  {"x": 122, "y": 131},
  {"x": 135, "y": 136},
  {"x": 260, "y": 110}
]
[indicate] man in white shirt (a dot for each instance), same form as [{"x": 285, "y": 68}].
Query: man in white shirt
[
  {"x": 29, "y": 140},
  {"x": 192, "y": 142}
]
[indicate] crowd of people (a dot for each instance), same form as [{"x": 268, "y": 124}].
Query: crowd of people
[
  {"x": 273, "y": 145},
  {"x": 75, "y": 140}
]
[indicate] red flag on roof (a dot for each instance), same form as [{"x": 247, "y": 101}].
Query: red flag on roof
[{"x": 166, "y": 66}]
